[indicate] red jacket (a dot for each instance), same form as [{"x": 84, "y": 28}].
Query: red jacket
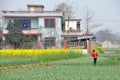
[{"x": 94, "y": 54}]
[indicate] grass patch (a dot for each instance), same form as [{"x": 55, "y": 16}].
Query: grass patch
[{"x": 71, "y": 69}]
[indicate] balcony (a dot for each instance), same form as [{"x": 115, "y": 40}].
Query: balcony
[
  {"x": 26, "y": 31},
  {"x": 72, "y": 32}
]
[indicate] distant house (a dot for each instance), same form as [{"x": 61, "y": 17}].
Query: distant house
[
  {"x": 108, "y": 44},
  {"x": 48, "y": 29}
]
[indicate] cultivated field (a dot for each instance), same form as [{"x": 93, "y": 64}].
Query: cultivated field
[{"x": 81, "y": 68}]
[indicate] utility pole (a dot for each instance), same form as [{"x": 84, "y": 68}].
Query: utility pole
[
  {"x": 87, "y": 21},
  {"x": 86, "y": 33}
]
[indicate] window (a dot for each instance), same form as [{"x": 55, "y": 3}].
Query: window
[
  {"x": 49, "y": 23},
  {"x": 78, "y": 25},
  {"x": 63, "y": 26},
  {"x": 26, "y": 23},
  {"x": 34, "y": 38},
  {"x": 50, "y": 42},
  {"x": 70, "y": 38}
]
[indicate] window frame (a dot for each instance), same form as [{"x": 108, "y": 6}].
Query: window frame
[
  {"x": 78, "y": 25},
  {"x": 53, "y": 43},
  {"x": 54, "y": 26},
  {"x": 24, "y": 21}
]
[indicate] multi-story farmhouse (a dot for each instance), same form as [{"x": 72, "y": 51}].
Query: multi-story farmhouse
[{"x": 47, "y": 28}]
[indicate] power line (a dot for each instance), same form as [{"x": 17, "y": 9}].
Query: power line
[
  {"x": 107, "y": 20},
  {"x": 104, "y": 20}
]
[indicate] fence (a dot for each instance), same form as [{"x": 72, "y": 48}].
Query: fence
[
  {"x": 76, "y": 44},
  {"x": 21, "y": 45},
  {"x": 34, "y": 45}
]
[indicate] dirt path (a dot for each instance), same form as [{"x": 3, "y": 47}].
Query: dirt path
[{"x": 20, "y": 67}]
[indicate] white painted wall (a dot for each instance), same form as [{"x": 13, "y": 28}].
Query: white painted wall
[{"x": 72, "y": 24}]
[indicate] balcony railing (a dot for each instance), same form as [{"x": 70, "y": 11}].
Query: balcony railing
[
  {"x": 30, "y": 13},
  {"x": 7, "y": 11},
  {"x": 71, "y": 31}
]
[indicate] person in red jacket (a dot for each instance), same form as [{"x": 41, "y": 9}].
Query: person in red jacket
[{"x": 95, "y": 56}]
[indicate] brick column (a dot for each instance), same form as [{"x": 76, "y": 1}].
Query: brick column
[
  {"x": 10, "y": 46},
  {"x": 38, "y": 44},
  {"x": 65, "y": 44},
  {"x": 89, "y": 46}
]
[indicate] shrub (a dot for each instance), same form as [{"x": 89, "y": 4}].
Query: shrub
[{"x": 99, "y": 49}]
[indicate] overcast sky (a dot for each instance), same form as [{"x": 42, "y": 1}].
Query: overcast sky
[{"x": 106, "y": 12}]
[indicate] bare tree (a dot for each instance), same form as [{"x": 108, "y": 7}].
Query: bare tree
[
  {"x": 103, "y": 35},
  {"x": 89, "y": 22},
  {"x": 68, "y": 9}
]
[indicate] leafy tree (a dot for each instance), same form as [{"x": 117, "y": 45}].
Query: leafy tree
[
  {"x": 103, "y": 35},
  {"x": 15, "y": 34},
  {"x": 27, "y": 43}
]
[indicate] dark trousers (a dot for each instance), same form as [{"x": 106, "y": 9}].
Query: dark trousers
[{"x": 95, "y": 61}]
